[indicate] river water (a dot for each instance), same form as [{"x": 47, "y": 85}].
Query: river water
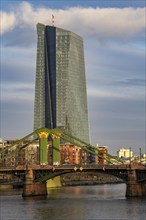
[{"x": 98, "y": 202}]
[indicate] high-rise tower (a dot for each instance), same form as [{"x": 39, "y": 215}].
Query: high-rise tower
[{"x": 60, "y": 89}]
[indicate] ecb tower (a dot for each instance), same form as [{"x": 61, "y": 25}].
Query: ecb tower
[{"x": 60, "y": 87}]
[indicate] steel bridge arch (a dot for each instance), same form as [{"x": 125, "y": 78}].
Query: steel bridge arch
[{"x": 46, "y": 175}]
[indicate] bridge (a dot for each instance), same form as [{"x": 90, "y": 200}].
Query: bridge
[{"x": 35, "y": 175}]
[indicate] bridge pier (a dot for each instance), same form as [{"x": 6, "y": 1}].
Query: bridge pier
[
  {"x": 33, "y": 189},
  {"x": 134, "y": 188}
]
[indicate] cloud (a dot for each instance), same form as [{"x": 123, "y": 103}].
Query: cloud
[
  {"x": 117, "y": 23},
  {"x": 8, "y": 22},
  {"x": 24, "y": 37},
  {"x": 117, "y": 119},
  {"x": 21, "y": 92},
  {"x": 17, "y": 117},
  {"x": 131, "y": 82},
  {"x": 18, "y": 64},
  {"x": 115, "y": 69}
]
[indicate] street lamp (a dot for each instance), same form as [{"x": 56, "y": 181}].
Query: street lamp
[
  {"x": 130, "y": 156},
  {"x": 140, "y": 154}
]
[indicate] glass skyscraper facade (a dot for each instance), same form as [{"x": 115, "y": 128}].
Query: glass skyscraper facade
[{"x": 60, "y": 88}]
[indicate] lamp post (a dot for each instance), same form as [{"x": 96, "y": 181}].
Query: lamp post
[
  {"x": 140, "y": 154},
  {"x": 130, "y": 156}
]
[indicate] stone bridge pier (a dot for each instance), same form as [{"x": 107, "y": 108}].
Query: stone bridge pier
[
  {"x": 133, "y": 187},
  {"x": 30, "y": 188}
]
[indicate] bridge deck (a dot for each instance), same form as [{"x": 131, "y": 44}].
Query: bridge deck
[{"x": 75, "y": 166}]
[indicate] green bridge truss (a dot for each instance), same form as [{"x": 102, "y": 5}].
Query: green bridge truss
[{"x": 56, "y": 134}]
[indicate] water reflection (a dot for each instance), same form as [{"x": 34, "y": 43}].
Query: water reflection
[
  {"x": 100, "y": 202},
  {"x": 98, "y": 192}
]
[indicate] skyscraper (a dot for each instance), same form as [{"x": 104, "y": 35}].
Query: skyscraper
[{"x": 60, "y": 88}]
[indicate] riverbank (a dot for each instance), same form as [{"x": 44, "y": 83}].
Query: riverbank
[{"x": 75, "y": 179}]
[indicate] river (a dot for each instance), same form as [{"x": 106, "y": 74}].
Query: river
[{"x": 98, "y": 202}]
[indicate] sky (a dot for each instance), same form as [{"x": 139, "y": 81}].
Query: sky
[{"x": 114, "y": 37}]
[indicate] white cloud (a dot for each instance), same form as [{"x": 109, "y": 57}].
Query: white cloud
[
  {"x": 102, "y": 22},
  {"x": 8, "y": 22},
  {"x": 112, "y": 68}
]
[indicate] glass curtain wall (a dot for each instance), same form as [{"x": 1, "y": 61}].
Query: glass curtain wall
[{"x": 60, "y": 92}]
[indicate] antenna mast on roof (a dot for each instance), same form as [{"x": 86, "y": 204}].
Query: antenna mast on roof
[{"x": 52, "y": 20}]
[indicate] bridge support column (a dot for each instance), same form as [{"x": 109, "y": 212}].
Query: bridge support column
[
  {"x": 133, "y": 188},
  {"x": 56, "y": 149},
  {"x": 33, "y": 189},
  {"x": 43, "y": 140}
]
